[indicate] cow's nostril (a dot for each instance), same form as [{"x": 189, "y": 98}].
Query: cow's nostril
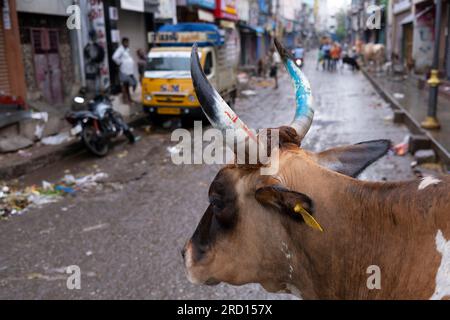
[{"x": 183, "y": 253}]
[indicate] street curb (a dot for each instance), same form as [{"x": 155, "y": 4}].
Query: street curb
[
  {"x": 408, "y": 119},
  {"x": 66, "y": 151}
]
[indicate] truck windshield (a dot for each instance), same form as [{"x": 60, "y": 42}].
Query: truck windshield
[{"x": 168, "y": 64}]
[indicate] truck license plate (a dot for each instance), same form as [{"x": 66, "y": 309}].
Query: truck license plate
[{"x": 175, "y": 111}]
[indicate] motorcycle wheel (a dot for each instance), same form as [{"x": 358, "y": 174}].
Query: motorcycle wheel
[
  {"x": 130, "y": 136},
  {"x": 93, "y": 142}
]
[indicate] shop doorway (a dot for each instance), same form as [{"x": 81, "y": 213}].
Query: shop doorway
[
  {"x": 47, "y": 63},
  {"x": 408, "y": 32}
]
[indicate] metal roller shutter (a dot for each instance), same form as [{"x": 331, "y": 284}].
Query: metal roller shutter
[{"x": 4, "y": 78}]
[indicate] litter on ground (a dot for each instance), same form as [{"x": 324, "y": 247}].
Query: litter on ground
[
  {"x": 249, "y": 93},
  {"x": 15, "y": 200},
  {"x": 399, "y": 95},
  {"x": 57, "y": 139}
]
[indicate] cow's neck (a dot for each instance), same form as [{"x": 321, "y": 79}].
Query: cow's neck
[{"x": 363, "y": 227}]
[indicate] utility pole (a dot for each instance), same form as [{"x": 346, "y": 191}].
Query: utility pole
[
  {"x": 79, "y": 37},
  {"x": 431, "y": 121},
  {"x": 277, "y": 18}
]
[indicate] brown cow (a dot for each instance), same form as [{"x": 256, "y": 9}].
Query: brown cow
[{"x": 312, "y": 229}]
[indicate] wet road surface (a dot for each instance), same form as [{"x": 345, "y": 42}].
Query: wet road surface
[{"x": 126, "y": 233}]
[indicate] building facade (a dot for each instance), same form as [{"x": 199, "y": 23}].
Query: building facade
[{"x": 412, "y": 37}]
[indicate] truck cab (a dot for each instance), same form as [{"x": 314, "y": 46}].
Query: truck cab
[{"x": 167, "y": 87}]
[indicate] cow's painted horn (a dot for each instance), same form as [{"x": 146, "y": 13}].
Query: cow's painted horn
[
  {"x": 215, "y": 108},
  {"x": 303, "y": 97}
]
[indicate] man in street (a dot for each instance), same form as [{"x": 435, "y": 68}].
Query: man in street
[
  {"x": 275, "y": 60},
  {"x": 142, "y": 63},
  {"x": 299, "y": 52},
  {"x": 327, "y": 55},
  {"x": 122, "y": 57}
]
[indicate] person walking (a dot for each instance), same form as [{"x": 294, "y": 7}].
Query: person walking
[
  {"x": 327, "y": 56},
  {"x": 122, "y": 57},
  {"x": 142, "y": 63},
  {"x": 320, "y": 58},
  {"x": 299, "y": 52},
  {"x": 335, "y": 53},
  {"x": 274, "y": 60}
]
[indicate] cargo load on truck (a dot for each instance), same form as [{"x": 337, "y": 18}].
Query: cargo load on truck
[{"x": 167, "y": 87}]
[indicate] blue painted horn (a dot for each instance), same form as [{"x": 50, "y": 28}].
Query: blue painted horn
[{"x": 303, "y": 96}]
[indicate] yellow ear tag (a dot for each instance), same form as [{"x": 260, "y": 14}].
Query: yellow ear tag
[{"x": 310, "y": 221}]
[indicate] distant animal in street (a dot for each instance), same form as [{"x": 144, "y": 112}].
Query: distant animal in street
[
  {"x": 352, "y": 62},
  {"x": 311, "y": 228},
  {"x": 374, "y": 55}
]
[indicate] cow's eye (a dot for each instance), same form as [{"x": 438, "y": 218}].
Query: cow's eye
[{"x": 217, "y": 204}]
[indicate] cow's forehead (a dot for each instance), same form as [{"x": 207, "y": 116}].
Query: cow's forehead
[
  {"x": 233, "y": 179},
  {"x": 232, "y": 176}
]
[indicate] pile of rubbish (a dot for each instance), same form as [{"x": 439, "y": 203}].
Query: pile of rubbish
[{"x": 16, "y": 200}]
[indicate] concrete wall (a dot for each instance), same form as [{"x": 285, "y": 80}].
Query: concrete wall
[
  {"x": 423, "y": 41},
  {"x": 53, "y": 7}
]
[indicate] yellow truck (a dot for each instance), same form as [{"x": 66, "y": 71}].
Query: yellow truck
[{"x": 167, "y": 88}]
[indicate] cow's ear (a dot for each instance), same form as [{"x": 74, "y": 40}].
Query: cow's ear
[
  {"x": 295, "y": 204},
  {"x": 352, "y": 160}
]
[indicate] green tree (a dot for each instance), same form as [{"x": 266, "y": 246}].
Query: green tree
[{"x": 341, "y": 19}]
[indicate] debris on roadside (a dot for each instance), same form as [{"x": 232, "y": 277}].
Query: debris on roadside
[
  {"x": 402, "y": 148},
  {"x": 389, "y": 118},
  {"x": 85, "y": 182},
  {"x": 174, "y": 150},
  {"x": 64, "y": 189},
  {"x": 147, "y": 129},
  {"x": 57, "y": 139},
  {"x": 243, "y": 78},
  {"x": 40, "y": 116},
  {"x": 15, "y": 200},
  {"x": 248, "y": 93},
  {"x": 399, "y": 96},
  {"x": 96, "y": 227},
  {"x": 122, "y": 154},
  {"x": 24, "y": 154}
]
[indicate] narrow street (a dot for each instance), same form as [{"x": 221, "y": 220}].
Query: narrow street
[{"x": 127, "y": 232}]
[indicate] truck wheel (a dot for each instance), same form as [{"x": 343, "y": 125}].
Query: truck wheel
[
  {"x": 156, "y": 119},
  {"x": 187, "y": 122}
]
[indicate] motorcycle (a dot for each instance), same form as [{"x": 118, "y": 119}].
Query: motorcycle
[
  {"x": 299, "y": 58},
  {"x": 98, "y": 125},
  {"x": 299, "y": 62}
]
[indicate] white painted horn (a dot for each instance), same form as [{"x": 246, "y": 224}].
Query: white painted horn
[{"x": 215, "y": 108}]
